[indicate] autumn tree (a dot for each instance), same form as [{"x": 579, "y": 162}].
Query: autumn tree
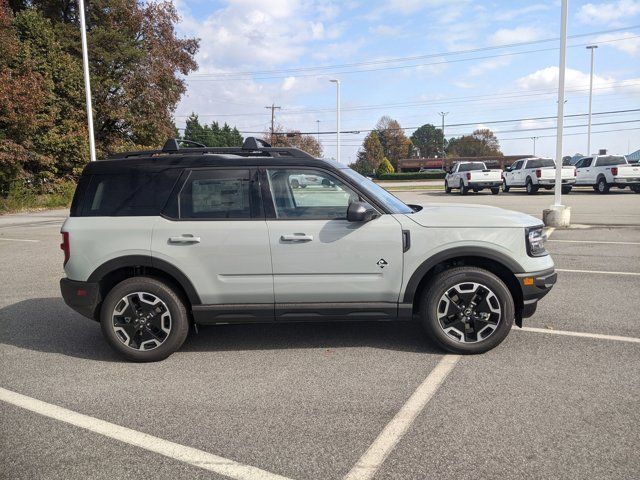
[
  {"x": 384, "y": 168},
  {"x": 428, "y": 140},
  {"x": 369, "y": 156},
  {"x": 295, "y": 139},
  {"x": 395, "y": 143},
  {"x": 482, "y": 142}
]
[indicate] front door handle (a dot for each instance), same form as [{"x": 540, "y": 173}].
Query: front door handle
[
  {"x": 296, "y": 238},
  {"x": 184, "y": 239}
]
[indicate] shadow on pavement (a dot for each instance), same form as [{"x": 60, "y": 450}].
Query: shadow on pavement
[{"x": 48, "y": 325}]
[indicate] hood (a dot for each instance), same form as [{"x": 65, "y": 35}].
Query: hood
[{"x": 470, "y": 215}]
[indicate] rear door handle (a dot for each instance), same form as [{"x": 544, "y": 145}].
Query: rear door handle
[
  {"x": 184, "y": 239},
  {"x": 296, "y": 238}
]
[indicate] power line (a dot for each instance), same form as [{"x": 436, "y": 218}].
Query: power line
[{"x": 407, "y": 59}]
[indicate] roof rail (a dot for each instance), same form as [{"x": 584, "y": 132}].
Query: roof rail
[{"x": 251, "y": 147}]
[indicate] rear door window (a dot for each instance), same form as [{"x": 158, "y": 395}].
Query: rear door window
[{"x": 216, "y": 194}]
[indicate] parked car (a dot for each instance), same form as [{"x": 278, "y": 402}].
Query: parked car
[
  {"x": 161, "y": 241},
  {"x": 474, "y": 176},
  {"x": 536, "y": 173},
  {"x": 303, "y": 181},
  {"x": 605, "y": 171}
]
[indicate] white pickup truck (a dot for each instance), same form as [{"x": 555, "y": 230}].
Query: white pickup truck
[
  {"x": 472, "y": 176},
  {"x": 604, "y": 171},
  {"x": 533, "y": 173}
]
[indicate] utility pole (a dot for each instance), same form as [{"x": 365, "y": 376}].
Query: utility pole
[
  {"x": 318, "y": 136},
  {"x": 87, "y": 81},
  {"x": 273, "y": 109},
  {"x": 534, "y": 144},
  {"x": 337, "y": 82},
  {"x": 593, "y": 49},
  {"x": 443, "y": 114}
]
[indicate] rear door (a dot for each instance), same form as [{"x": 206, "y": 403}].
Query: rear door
[
  {"x": 322, "y": 263},
  {"x": 214, "y": 231}
]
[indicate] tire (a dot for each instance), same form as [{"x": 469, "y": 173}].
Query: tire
[
  {"x": 476, "y": 190},
  {"x": 602, "y": 186},
  {"x": 295, "y": 183},
  {"x": 595, "y": 188},
  {"x": 447, "y": 189},
  {"x": 566, "y": 190},
  {"x": 463, "y": 190},
  {"x": 635, "y": 188},
  {"x": 127, "y": 337},
  {"x": 498, "y": 303},
  {"x": 505, "y": 187},
  {"x": 531, "y": 188},
  {"x": 495, "y": 190}
]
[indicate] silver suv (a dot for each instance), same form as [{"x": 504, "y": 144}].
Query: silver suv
[{"x": 161, "y": 240}]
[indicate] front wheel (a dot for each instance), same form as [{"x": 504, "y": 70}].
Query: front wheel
[
  {"x": 495, "y": 190},
  {"x": 144, "y": 320},
  {"x": 566, "y": 189},
  {"x": 505, "y": 187},
  {"x": 635, "y": 188},
  {"x": 447, "y": 188},
  {"x": 467, "y": 310}
]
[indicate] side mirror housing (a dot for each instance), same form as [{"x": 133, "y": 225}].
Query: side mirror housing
[{"x": 361, "y": 212}]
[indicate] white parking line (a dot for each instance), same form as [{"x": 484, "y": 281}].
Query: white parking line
[
  {"x": 192, "y": 456},
  {"x": 595, "y": 241},
  {"x": 599, "y": 336},
  {"x": 603, "y": 272},
  {"x": 373, "y": 458},
  {"x": 18, "y": 240}
]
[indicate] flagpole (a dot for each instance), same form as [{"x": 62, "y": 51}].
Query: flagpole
[{"x": 87, "y": 81}]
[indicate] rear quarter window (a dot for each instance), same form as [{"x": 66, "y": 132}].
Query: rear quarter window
[
  {"x": 610, "y": 161},
  {"x": 131, "y": 193}
]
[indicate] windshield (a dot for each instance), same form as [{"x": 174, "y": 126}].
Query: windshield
[
  {"x": 611, "y": 160},
  {"x": 541, "y": 162},
  {"x": 394, "y": 204},
  {"x": 468, "y": 167}
]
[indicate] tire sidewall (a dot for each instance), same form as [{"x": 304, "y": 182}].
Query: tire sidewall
[
  {"x": 446, "y": 280},
  {"x": 179, "y": 318}
]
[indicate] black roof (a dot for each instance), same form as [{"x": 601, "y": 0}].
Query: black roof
[{"x": 253, "y": 152}]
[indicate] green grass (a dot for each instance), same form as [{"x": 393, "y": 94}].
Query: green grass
[
  {"x": 21, "y": 198},
  {"x": 432, "y": 175},
  {"x": 410, "y": 188}
]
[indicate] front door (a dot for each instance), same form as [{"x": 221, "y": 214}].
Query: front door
[
  {"x": 584, "y": 174},
  {"x": 323, "y": 263},
  {"x": 218, "y": 239}
]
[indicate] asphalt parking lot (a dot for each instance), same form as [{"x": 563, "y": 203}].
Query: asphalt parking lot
[{"x": 558, "y": 399}]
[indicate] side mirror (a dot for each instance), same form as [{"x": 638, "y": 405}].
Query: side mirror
[
  {"x": 361, "y": 212},
  {"x": 508, "y": 169}
]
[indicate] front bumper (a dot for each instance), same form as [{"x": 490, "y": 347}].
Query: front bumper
[
  {"x": 83, "y": 297},
  {"x": 535, "y": 285}
]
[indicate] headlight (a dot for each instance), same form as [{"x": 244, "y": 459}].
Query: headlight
[{"x": 536, "y": 240}]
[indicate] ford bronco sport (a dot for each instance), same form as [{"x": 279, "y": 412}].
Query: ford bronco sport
[{"x": 161, "y": 240}]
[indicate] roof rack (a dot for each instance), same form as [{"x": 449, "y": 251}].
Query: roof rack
[{"x": 251, "y": 147}]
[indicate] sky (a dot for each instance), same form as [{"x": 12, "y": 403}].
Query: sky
[{"x": 490, "y": 64}]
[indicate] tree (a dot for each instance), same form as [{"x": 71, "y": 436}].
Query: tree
[
  {"x": 211, "y": 135},
  {"x": 428, "y": 140},
  {"x": 294, "y": 139},
  {"x": 384, "y": 167},
  {"x": 137, "y": 64},
  {"x": 370, "y": 155},
  {"x": 480, "y": 143},
  {"x": 395, "y": 143}
]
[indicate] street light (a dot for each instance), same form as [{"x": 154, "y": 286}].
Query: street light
[
  {"x": 337, "y": 82},
  {"x": 593, "y": 49},
  {"x": 534, "y": 144},
  {"x": 87, "y": 82}
]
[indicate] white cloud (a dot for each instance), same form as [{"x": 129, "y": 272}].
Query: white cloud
[
  {"x": 610, "y": 13},
  {"x": 288, "y": 83},
  {"x": 506, "y": 36},
  {"x": 547, "y": 79},
  {"x": 508, "y": 15},
  {"x": 385, "y": 30},
  {"x": 630, "y": 44}
]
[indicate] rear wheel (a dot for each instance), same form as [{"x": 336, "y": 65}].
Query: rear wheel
[
  {"x": 603, "y": 186},
  {"x": 495, "y": 190},
  {"x": 463, "y": 190},
  {"x": 467, "y": 310},
  {"x": 566, "y": 189},
  {"x": 447, "y": 188},
  {"x": 144, "y": 320},
  {"x": 531, "y": 188}
]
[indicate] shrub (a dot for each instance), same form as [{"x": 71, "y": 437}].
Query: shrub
[
  {"x": 432, "y": 175},
  {"x": 384, "y": 168}
]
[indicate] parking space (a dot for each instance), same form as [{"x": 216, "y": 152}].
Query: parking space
[{"x": 308, "y": 400}]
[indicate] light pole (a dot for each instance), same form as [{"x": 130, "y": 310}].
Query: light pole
[
  {"x": 318, "y": 136},
  {"x": 534, "y": 144},
  {"x": 593, "y": 49},
  {"x": 443, "y": 114},
  {"x": 87, "y": 82},
  {"x": 337, "y": 82}
]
